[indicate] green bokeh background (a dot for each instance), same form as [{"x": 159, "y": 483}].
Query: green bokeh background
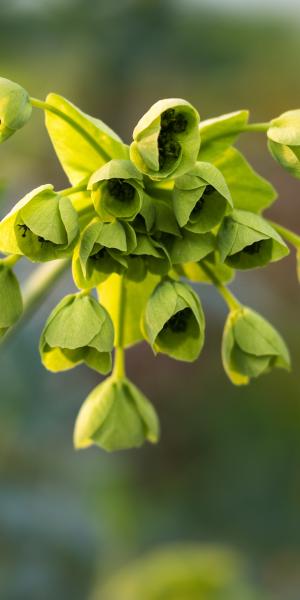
[{"x": 227, "y": 469}]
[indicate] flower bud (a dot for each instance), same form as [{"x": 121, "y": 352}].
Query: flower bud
[
  {"x": 43, "y": 226},
  {"x": 15, "y": 108},
  {"x": 116, "y": 416},
  {"x": 79, "y": 330},
  {"x": 102, "y": 250},
  {"x": 201, "y": 198},
  {"x": 245, "y": 241},
  {"x": 155, "y": 256},
  {"x": 251, "y": 346},
  {"x": 173, "y": 321},
  {"x": 166, "y": 139},
  {"x": 284, "y": 141},
  {"x": 11, "y": 305},
  {"x": 117, "y": 190}
]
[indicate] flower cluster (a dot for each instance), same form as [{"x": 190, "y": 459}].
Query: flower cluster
[{"x": 179, "y": 203}]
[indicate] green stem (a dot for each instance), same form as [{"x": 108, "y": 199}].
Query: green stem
[
  {"x": 119, "y": 366},
  {"x": 36, "y": 289},
  {"x": 88, "y": 137},
  {"x": 231, "y": 301},
  {"x": 256, "y": 127},
  {"x": 81, "y": 187},
  {"x": 288, "y": 235},
  {"x": 11, "y": 260}
]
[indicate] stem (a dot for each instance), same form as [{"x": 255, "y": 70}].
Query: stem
[
  {"x": 231, "y": 301},
  {"x": 81, "y": 187},
  {"x": 35, "y": 290},
  {"x": 256, "y": 127},
  {"x": 56, "y": 111},
  {"x": 11, "y": 260},
  {"x": 119, "y": 367},
  {"x": 288, "y": 235}
]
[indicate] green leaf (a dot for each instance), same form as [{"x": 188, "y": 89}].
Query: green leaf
[
  {"x": 218, "y": 133},
  {"x": 173, "y": 321},
  {"x": 166, "y": 139},
  {"x": 191, "y": 247},
  {"x": 116, "y": 416},
  {"x": 81, "y": 142},
  {"x": 11, "y": 305},
  {"x": 15, "y": 108},
  {"x": 194, "y": 271},
  {"x": 249, "y": 190},
  {"x": 134, "y": 301}
]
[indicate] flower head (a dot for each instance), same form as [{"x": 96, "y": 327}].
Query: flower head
[{"x": 15, "y": 108}]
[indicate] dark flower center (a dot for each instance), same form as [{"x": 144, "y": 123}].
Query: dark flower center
[
  {"x": 253, "y": 248},
  {"x": 178, "y": 323},
  {"x": 201, "y": 202},
  {"x": 170, "y": 123},
  {"x": 98, "y": 255},
  {"x": 120, "y": 189}
]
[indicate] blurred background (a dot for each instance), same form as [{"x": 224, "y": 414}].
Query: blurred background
[{"x": 227, "y": 469}]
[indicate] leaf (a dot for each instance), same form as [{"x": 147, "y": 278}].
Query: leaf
[
  {"x": 218, "y": 133},
  {"x": 191, "y": 247},
  {"x": 11, "y": 305},
  {"x": 82, "y": 143},
  {"x": 135, "y": 298},
  {"x": 249, "y": 190},
  {"x": 285, "y": 129}
]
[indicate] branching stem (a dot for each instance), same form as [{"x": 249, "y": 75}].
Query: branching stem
[{"x": 231, "y": 301}]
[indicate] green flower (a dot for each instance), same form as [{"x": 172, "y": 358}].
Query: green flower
[
  {"x": 15, "y": 108},
  {"x": 245, "y": 241},
  {"x": 173, "y": 321},
  {"x": 166, "y": 139},
  {"x": 43, "y": 226},
  {"x": 11, "y": 305},
  {"x": 79, "y": 330},
  {"x": 284, "y": 141},
  {"x": 116, "y": 416},
  {"x": 251, "y": 346},
  {"x": 117, "y": 190},
  {"x": 201, "y": 198},
  {"x": 101, "y": 251},
  {"x": 155, "y": 257}
]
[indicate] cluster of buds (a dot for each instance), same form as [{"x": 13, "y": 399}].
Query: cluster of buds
[{"x": 179, "y": 203}]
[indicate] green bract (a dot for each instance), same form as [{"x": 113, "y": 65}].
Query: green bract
[
  {"x": 156, "y": 258},
  {"x": 78, "y": 330},
  {"x": 117, "y": 190},
  {"x": 116, "y": 416},
  {"x": 42, "y": 226},
  {"x": 284, "y": 141},
  {"x": 11, "y": 305},
  {"x": 173, "y": 321},
  {"x": 246, "y": 241},
  {"x": 102, "y": 250},
  {"x": 166, "y": 139},
  {"x": 15, "y": 108},
  {"x": 251, "y": 346},
  {"x": 219, "y": 133},
  {"x": 200, "y": 198}
]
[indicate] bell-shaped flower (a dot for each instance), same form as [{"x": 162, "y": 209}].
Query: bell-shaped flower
[
  {"x": 173, "y": 321},
  {"x": 79, "y": 330},
  {"x": 102, "y": 250},
  {"x": 43, "y": 226},
  {"x": 117, "y": 190},
  {"x": 154, "y": 254},
  {"x": 11, "y": 305},
  {"x": 15, "y": 108},
  {"x": 166, "y": 139},
  {"x": 116, "y": 416},
  {"x": 284, "y": 141},
  {"x": 251, "y": 346},
  {"x": 201, "y": 198},
  {"x": 246, "y": 240}
]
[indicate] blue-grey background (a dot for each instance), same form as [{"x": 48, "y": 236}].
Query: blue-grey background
[{"x": 227, "y": 468}]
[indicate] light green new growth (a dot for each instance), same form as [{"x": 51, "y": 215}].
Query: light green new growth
[{"x": 137, "y": 221}]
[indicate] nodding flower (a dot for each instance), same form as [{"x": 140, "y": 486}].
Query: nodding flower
[{"x": 15, "y": 108}]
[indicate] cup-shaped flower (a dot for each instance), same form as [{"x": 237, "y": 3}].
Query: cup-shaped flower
[
  {"x": 246, "y": 240},
  {"x": 102, "y": 250},
  {"x": 116, "y": 416},
  {"x": 11, "y": 305},
  {"x": 166, "y": 139},
  {"x": 117, "y": 190},
  {"x": 79, "y": 330},
  {"x": 43, "y": 226},
  {"x": 173, "y": 322},
  {"x": 251, "y": 346},
  {"x": 284, "y": 141},
  {"x": 201, "y": 198},
  {"x": 155, "y": 257},
  {"x": 15, "y": 108}
]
